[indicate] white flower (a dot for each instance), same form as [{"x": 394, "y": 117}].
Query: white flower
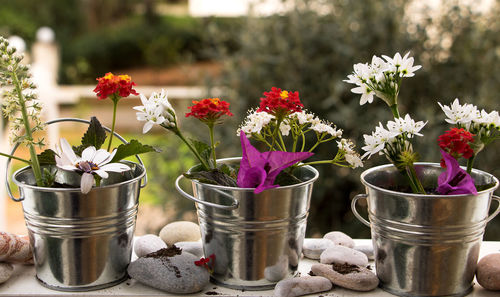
[
  {"x": 322, "y": 127},
  {"x": 460, "y": 114},
  {"x": 351, "y": 156},
  {"x": 406, "y": 124},
  {"x": 402, "y": 65},
  {"x": 285, "y": 129},
  {"x": 254, "y": 122},
  {"x": 491, "y": 119},
  {"x": 155, "y": 110},
  {"x": 376, "y": 142},
  {"x": 91, "y": 162},
  {"x": 366, "y": 94},
  {"x": 304, "y": 118}
]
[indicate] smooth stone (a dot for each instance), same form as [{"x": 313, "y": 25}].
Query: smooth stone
[
  {"x": 177, "y": 274},
  {"x": 6, "y": 271},
  {"x": 340, "y": 254},
  {"x": 148, "y": 243},
  {"x": 299, "y": 286},
  {"x": 488, "y": 272},
  {"x": 340, "y": 238},
  {"x": 362, "y": 280},
  {"x": 193, "y": 247},
  {"x": 180, "y": 231},
  {"x": 277, "y": 271},
  {"x": 366, "y": 249},
  {"x": 313, "y": 247}
]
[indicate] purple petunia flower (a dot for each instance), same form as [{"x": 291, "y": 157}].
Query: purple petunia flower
[
  {"x": 454, "y": 180},
  {"x": 259, "y": 170}
]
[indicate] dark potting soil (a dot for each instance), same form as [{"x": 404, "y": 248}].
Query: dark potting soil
[
  {"x": 59, "y": 185},
  {"x": 166, "y": 252},
  {"x": 345, "y": 268},
  {"x": 211, "y": 293}
]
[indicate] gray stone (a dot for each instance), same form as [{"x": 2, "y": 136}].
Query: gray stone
[
  {"x": 278, "y": 271},
  {"x": 180, "y": 231},
  {"x": 340, "y": 254},
  {"x": 313, "y": 247},
  {"x": 366, "y": 249},
  {"x": 340, "y": 238},
  {"x": 299, "y": 286},
  {"x": 488, "y": 272},
  {"x": 193, "y": 247},
  {"x": 177, "y": 274},
  {"x": 6, "y": 270},
  {"x": 148, "y": 243},
  {"x": 360, "y": 280}
]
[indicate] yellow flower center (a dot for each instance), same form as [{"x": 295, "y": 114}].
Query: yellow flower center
[
  {"x": 215, "y": 101},
  {"x": 284, "y": 94},
  {"x": 124, "y": 77},
  {"x": 109, "y": 76}
]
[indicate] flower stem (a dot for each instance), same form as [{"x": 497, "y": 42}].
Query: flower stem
[
  {"x": 395, "y": 111},
  {"x": 16, "y": 158},
  {"x": 470, "y": 162},
  {"x": 35, "y": 165},
  {"x": 195, "y": 152},
  {"x": 415, "y": 183},
  {"x": 212, "y": 144},
  {"x": 115, "y": 104}
]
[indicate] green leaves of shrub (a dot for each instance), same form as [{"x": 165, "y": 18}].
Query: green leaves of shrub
[
  {"x": 95, "y": 136},
  {"x": 134, "y": 147}
]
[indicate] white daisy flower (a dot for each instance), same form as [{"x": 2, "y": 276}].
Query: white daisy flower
[
  {"x": 91, "y": 162},
  {"x": 460, "y": 114},
  {"x": 156, "y": 110},
  {"x": 406, "y": 124}
]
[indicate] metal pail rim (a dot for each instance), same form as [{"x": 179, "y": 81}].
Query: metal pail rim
[
  {"x": 47, "y": 189},
  {"x": 308, "y": 167},
  {"x": 430, "y": 196}
]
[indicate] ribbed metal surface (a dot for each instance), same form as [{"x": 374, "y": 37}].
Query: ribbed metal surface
[
  {"x": 259, "y": 242},
  {"x": 425, "y": 245},
  {"x": 81, "y": 241}
]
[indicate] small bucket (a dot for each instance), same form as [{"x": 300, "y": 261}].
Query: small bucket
[
  {"x": 81, "y": 242},
  {"x": 256, "y": 238},
  {"x": 425, "y": 245}
]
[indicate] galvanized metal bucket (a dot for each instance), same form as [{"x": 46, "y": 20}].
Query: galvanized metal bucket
[
  {"x": 256, "y": 238},
  {"x": 425, "y": 245},
  {"x": 81, "y": 242}
]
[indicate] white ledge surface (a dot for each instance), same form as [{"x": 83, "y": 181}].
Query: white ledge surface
[{"x": 24, "y": 283}]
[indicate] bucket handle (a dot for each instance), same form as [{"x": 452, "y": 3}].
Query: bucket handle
[
  {"x": 21, "y": 198},
  {"x": 356, "y": 213},
  {"x": 211, "y": 204},
  {"x": 494, "y": 214}
]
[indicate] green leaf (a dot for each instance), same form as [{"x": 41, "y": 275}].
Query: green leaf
[
  {"x": 203, "y": 149},
  {"x": 47, "y": 157},
  {"x": 214, "y": 177},
  {"x": 95, "y": 136},
  {"x": 286, "y": 179},
  {"x": 231, "y": 171},
  {"x": 134, "y": 147}
]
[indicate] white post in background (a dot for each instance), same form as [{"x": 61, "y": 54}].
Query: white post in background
[{"x": 45, "y": 57}]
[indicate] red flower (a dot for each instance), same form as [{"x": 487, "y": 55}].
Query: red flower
[
  {"x": 280, "y": 103},
  {"x": 456, "y": 142},
  {"x": 209, "y": 110},
  {"x": 203, "y": 262},
  {"x": 110, "y": 84}
]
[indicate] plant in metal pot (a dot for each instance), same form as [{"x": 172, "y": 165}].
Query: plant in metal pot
[
  {"x": 79, "y": 202},
  {"x": 424, "y": 215},
  {"x": 260, "y": 200}
]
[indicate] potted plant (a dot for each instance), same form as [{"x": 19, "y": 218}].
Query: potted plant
[
  {"x": 253, "y": 209},
  {"x": 79, "y": 202},
  {"x": 427, "y": 219}
]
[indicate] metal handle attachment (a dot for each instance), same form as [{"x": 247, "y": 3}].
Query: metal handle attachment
[
  {"x": 355, "y": 211},
  {"x": 190, "y": 197},
  {"x": 494, "y": 214},
  {"x": 21, "y": 198}
]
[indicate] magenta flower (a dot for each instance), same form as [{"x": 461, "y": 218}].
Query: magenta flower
[
  {"x": 454, "y": 180},
  {"x": 259, "y": 170}
]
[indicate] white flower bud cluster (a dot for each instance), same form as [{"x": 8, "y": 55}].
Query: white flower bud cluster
[
  {"x": 19, "y": 100},
  {"x": 350, "y": 155},
  {"x": 156, "y": 110}
]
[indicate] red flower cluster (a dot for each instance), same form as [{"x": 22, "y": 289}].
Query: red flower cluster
[
  {"x": 110, "y": 84},
  {"x": 456, "y": 142},
  {"x": 203, "y": 262},
  {"x": 209, "y": 110},
  {"x": 280, "y": 103}
]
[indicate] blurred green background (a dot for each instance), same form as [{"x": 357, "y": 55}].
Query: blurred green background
[{"x": 310, "y": 48}]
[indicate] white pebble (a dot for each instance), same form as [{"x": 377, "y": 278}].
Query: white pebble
[
  {"x": 147, "y": 244},
  {"x": 180, "y": 231},
  {"x": 340, "y": 238},
  {"x": 313, "y": 247},
  {"x": 6, "y": 270},
  {"x": 299, "y": 286},
  {"x": 341, "y": 254}
]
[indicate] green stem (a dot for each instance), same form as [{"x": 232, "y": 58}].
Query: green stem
[
  {"x": 415, "y": 183},
  {"x": 315, "y": 163},
  {"x": 195, "y": 152},
  {"x": 16, "y": 158},
  {"x": 212, "y": 143},
  {"x": 470, "y": 162},
  {"x": 115, "y": 104},
  {"x": 395, "y": 111},
  {"x": 35, "y": 165},
  {"x": 282, "y": 142}
]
